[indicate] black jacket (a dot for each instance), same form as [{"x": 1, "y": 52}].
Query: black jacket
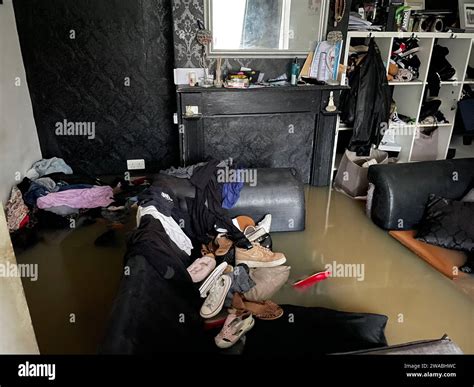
[{"x": 367, "y": 104}]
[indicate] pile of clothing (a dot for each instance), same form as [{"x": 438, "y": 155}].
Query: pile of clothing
[
  {"x": 229, "y": 260},
  {"x": 50, "y": 196},
  {"x": 404, "y": 64}
]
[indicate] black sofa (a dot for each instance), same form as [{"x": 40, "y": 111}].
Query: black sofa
[
  {"x": 157, "y": 306},
  {"x": 402, "y": 190}
]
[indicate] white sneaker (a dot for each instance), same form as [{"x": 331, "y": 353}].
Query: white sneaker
[
  {"x": 211, "y": 280},
  {"x": 252, "y": 233},
  {"x": 266, "y": 223},
  {"x": 215, "y": 300}
]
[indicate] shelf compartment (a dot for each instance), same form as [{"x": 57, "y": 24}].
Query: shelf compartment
[
  {"x": 407, "y": 100},
  {"x": 424, "y": 54},
  {"x": 458, "y": 54}
]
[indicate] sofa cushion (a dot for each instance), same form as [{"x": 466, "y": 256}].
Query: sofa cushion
[
  {"x": 448, "y": 224},
  {"x": 316, "y": 331}
]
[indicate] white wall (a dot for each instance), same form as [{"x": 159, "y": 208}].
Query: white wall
[
  {"x": 16, "y": 330},
  {"x": 19, "y": 146}
]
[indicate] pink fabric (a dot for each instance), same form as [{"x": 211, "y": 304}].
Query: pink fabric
[{"x": 78, "y": 198}]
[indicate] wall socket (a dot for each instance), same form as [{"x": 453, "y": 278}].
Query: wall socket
[{"x": 135, "y": 164}]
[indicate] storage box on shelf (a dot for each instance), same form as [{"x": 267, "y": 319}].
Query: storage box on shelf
[{"x": 408, "y": 96}]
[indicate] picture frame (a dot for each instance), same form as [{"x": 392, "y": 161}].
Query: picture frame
[{"x": 466, "y": 15}]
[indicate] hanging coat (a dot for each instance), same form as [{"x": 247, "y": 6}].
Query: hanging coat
[{"x": 366, "y": 105}]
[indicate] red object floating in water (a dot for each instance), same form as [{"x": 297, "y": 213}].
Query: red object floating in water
[{"x": 311, "y": 280}]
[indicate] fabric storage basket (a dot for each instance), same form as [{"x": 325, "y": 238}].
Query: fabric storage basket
[
  {"x": 425, "y": 147},
  {"x": 351, "y": 177}
]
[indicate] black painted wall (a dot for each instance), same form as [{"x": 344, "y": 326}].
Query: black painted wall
[{"x": 107, "y": 62}]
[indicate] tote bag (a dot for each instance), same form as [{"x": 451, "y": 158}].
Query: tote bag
[
  {"x": 425, "y": 147},
  {"x": 351, "y": 177}
]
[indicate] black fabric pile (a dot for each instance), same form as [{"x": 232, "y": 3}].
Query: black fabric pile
[
  {"x": 431, "y": 114},
  {"x": 440, "y": 69},
  {"x": 205, "y": 210},
  {"x": 157, "y": 306}
]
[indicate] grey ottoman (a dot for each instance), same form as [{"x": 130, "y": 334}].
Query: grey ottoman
[{"x": 279, "y": 192}]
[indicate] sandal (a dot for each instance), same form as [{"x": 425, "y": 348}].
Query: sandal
[
  {"x": 235, "y": 326},
  {"x": 263, "y": 310}
]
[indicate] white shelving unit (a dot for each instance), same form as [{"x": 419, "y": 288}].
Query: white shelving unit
[{"x": 409, "y": 95}]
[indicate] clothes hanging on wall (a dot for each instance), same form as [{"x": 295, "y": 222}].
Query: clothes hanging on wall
[{"x": 367, "y": 104}]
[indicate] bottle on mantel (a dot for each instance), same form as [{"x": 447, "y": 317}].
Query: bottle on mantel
[{"x": 295, "y": 70}]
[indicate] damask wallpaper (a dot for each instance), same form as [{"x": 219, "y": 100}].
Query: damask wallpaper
[
  {"x": 186, "y": 14},
  {"x": 100, "y": 79}
]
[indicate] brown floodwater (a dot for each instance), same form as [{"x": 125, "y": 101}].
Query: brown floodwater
[{"x": 70, "y": 302}]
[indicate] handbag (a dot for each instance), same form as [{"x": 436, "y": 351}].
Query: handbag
[
  {"x": 425, "y": 147},
  {"x": 351, "y": 177}
]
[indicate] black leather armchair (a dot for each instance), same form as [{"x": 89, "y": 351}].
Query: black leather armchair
[{"x": 402, "y": 190}]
